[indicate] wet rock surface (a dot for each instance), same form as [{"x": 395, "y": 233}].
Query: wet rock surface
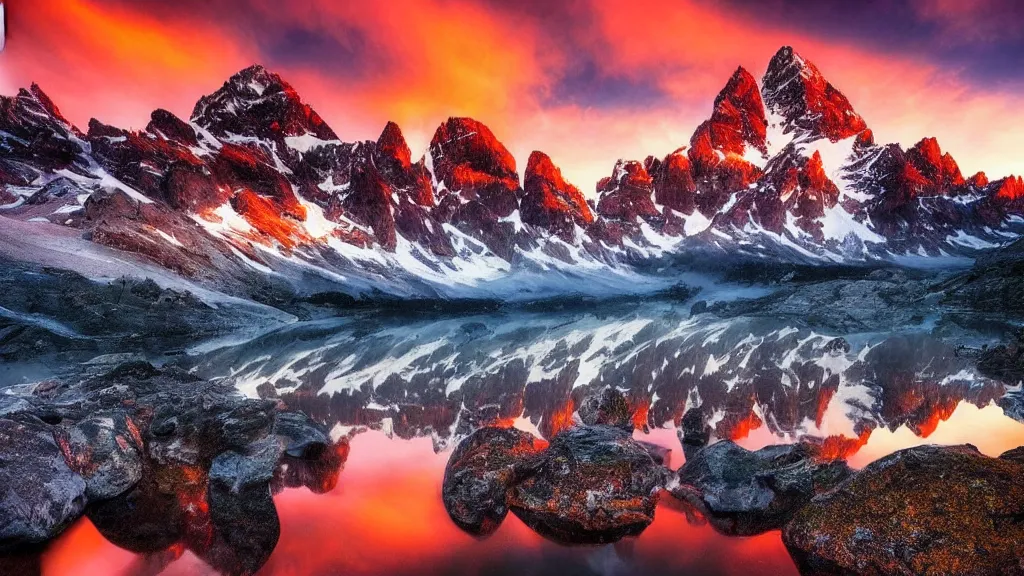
[
  {"x": 156, "y": 457},
  {"x": 593, "y": 485},
  {"x": 694, "y": 432},
  {"x": 743, "y": 492},
  {"x": 480, "y": 474},
  {"x": 39, "y": 493},
  {"x": 926, "y": 510},
  {"x": 106, "y": 450}
]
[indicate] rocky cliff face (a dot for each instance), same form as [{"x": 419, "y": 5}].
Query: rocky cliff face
[{"x": 256, "y": 180}]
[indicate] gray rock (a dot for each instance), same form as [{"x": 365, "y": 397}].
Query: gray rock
[
  {"x": 255, "y": 466},
  {"x": 695, "y": 432},
  {"x": 481, "y": 472},
  {"x": 923, "y": 510},
  {"x": 744, "y": 493},
  {"x": 607, "y": 407},
  {"x": 39, "y": 494},
  {"x": 106, "y": 450},
  {"x": 299, "y": 434},
  {"x": 203, "y": 479}
]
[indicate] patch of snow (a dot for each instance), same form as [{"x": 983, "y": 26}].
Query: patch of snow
[
  {"x": 68, "y": 209},
  {"x": 838, "y": 224},
  {"x": 515, "y": 220},
  {"x": 316, "y": 224},
  {"x": 307, "y": 142},
  {"x": 964, "y": 239},
  {"x": 697, "y": 223},
  {"x": 170, "y": 239}
]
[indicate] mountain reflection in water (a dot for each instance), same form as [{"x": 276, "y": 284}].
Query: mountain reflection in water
[{"x": 386, "y": 517}]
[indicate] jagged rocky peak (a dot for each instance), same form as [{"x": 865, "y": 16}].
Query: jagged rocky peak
[
  {"x": 463, "y": 145},
  {"x": 394, "y": 160},
  {"x": 392, "y": 144},
  {"x": 470, "y": 162},
  {"x": 795, "y": 89},
  {"x": 258, "y": 102},
  {"x": 166, "y": 125},
  {"x": 807, "y": 192},
  {"x": 98, "y": 129},
  {"x": 737, "y": 123},
  {"x": 32, "y": 108},
  {"x": 158, "y": 167},
  {"x": 1009, "y": 189},
  {"x": 794, "y": 186},
  {"x": 34, "y": 139},
  {"x": 979, "y": 180},
  {"x": 551, "y": 202},
  {"x": 941, "y": 170},
  {"x": 674, "y": 186}
]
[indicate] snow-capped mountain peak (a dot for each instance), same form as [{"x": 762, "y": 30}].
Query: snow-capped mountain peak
[
  {"x": 257, "y": 185},
  {"x": 809, "y": 105},
  {"x": 258, "y": 103}
]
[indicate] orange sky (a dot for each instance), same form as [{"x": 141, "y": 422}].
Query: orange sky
[{"x": 587, "y": 81}]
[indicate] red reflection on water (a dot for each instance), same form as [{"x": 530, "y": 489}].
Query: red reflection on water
[
  {"x": 641, "y": 413},
  {"x": 839, "y": 447},
  {"x": 386, "y": 517},
  {"x": 561, "y": 419},
  {"x": 741, "y": 428}
]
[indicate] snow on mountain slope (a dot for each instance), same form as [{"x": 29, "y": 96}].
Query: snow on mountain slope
[{"x": 256, "y": 185}]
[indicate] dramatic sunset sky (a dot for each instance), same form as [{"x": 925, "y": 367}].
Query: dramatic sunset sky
[{"x": 587, "y": 81}]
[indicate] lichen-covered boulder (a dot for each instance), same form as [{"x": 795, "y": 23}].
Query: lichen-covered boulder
[
  {"x": 593, "y": 485},
  {"x": 925, "y": 510}
]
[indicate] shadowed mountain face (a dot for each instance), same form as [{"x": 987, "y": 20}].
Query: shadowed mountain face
[{"x": 256, "y": 185}]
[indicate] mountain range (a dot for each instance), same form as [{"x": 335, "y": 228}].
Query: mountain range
[{"x": 255, "y": 189}]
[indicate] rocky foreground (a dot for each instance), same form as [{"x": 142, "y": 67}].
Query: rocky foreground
[
  {"x": 928, "y": 510},
  {"x": 160, "y": 462}
]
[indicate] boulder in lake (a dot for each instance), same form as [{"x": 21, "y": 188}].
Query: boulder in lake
[
  {"x": 593, "y": 485},
  {"x": 743, "y": 492},
  {"x": 480, "y": 474},
  {"x": 924, "y": 510}
]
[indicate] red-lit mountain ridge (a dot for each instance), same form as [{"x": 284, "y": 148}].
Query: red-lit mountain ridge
[{"x": 256, "y": 184}]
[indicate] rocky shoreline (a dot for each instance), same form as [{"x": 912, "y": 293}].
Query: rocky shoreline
[
  {"x": 155, "y": 458},
  {"x": 161, "y": 461},
  {"x": 923, "y": 510}
]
